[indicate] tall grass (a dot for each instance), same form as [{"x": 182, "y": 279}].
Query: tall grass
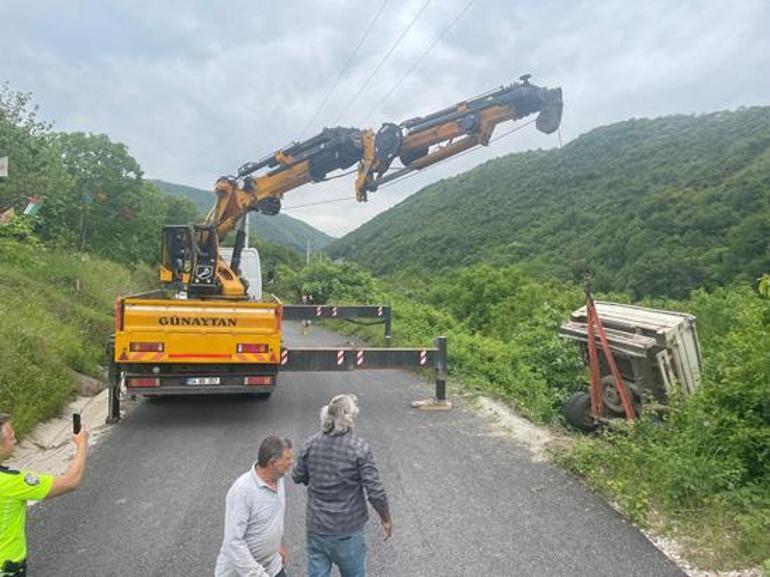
[{"x": 55, "y": 318}]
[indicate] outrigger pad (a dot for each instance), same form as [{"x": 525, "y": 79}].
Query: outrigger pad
[{"x": 432, "y": 404}]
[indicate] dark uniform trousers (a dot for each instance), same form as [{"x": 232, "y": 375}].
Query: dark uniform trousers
[{"x": 11, "y": 569}]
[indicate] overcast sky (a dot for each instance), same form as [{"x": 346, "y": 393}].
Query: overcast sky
[{"x": 195, "y": 88}]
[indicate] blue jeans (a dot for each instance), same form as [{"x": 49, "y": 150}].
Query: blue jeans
[{"x": 348, "y": 553}]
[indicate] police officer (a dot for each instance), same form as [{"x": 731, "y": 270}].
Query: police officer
[{"x": 18, "y": 487}]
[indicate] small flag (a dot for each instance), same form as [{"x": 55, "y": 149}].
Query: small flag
[{"x": 33, "y": 206}]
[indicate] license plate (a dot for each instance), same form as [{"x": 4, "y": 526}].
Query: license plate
[{"x": 202, "y": 380}]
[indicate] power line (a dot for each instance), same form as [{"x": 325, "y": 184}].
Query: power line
[
  {"x": 327, "y": 201},
  {"x": 340, "y": 175},
  {"x": 384, "y": 59},
  {"x": 319, "y": 202},
  {"x": 345, "y": 67},
  {"x": 418, "y": 61}
]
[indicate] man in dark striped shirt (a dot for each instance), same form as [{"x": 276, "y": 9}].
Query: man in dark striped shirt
[{"x": 339, "y": 470}]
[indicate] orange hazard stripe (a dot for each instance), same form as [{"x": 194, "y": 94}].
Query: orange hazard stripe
[
  {"x": 146, "y": 356},
  {"x": 252, "y": 357}
]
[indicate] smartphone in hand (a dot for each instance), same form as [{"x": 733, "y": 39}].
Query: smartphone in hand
[{"x": 75, "y": 423}]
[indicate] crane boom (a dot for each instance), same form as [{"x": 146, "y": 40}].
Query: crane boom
[{"x": 417, "y": 143}]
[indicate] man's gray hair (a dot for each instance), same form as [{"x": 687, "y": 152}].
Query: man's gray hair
[
  {"x": 272, "y": 448},
  {"x": 339, "y": 416},
  {"x": 4, "y": 418}
]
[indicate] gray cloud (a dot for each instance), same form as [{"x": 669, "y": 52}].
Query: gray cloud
[{"x": 195, "y": 89}]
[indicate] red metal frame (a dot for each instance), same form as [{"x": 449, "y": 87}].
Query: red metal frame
[{"x": 595, "y": 327}]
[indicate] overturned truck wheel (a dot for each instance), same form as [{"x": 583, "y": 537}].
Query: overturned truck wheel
[{"x": 577, "y": 410}]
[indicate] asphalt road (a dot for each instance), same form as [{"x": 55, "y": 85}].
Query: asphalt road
[{"x": 466, "y": 500}]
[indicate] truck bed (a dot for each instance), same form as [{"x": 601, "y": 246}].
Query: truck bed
[
  {"x": 176, "y": 346},
  {"x": 195, "y": 331}
]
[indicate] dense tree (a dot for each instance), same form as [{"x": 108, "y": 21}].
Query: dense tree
[
  {"x": 34, "y": 168},
  {"x": 92, "y": 194},
  {"x": 106, "y": 190}
]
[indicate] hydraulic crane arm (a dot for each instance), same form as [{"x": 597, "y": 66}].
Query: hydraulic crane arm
[
  {"x": 191, "y": 253},
  {"x": 423, "y": 141},
  {"x": 417, "y": 143},
  {"x": 286, "y": 169}
]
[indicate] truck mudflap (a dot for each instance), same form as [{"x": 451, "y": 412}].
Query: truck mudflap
[{"x": 138, "y": 380}]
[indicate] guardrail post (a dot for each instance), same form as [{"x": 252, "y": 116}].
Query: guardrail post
[
  {"x": 387, "y": 327},
  {"x": 441, "y": 369}
]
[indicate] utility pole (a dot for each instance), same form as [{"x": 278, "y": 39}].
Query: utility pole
[
  {"x": 83, "y": 219},
  {"x": 307, "y": 252}
]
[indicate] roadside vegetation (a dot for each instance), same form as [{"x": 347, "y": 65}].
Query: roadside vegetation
[
  {"x": 703, "y": 474},
  {"x": 55, "y": 318}
]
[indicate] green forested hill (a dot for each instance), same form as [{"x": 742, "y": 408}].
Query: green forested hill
[
  {"x": 202, "y": 199},
  {"x": 279, "y": 229},
  {"x": 648, "y": 206}
]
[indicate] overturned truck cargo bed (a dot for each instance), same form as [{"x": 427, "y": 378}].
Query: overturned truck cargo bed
[{"x": 656, "y": 351}]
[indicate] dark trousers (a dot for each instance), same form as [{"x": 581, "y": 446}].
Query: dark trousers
[{"x": 11, "y": 569}]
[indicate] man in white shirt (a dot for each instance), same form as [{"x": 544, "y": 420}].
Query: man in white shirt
[{"x": 252, "y": 546}]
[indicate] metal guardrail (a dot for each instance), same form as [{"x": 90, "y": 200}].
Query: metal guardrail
[{"x": 350, "y": 313}]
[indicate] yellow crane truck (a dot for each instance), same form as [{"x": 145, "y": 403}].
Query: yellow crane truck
[{"x": 202, "y": 333}]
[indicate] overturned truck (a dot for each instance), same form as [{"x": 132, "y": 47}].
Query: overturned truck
[{"x": 656, "y": 352}]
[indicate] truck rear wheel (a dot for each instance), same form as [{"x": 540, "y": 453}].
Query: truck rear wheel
[
  {"x": 611, "y": 397},
  {"x": 577, "y": 410}
]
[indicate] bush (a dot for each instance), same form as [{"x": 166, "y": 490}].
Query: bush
[{"x": 327, "y": 282}]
